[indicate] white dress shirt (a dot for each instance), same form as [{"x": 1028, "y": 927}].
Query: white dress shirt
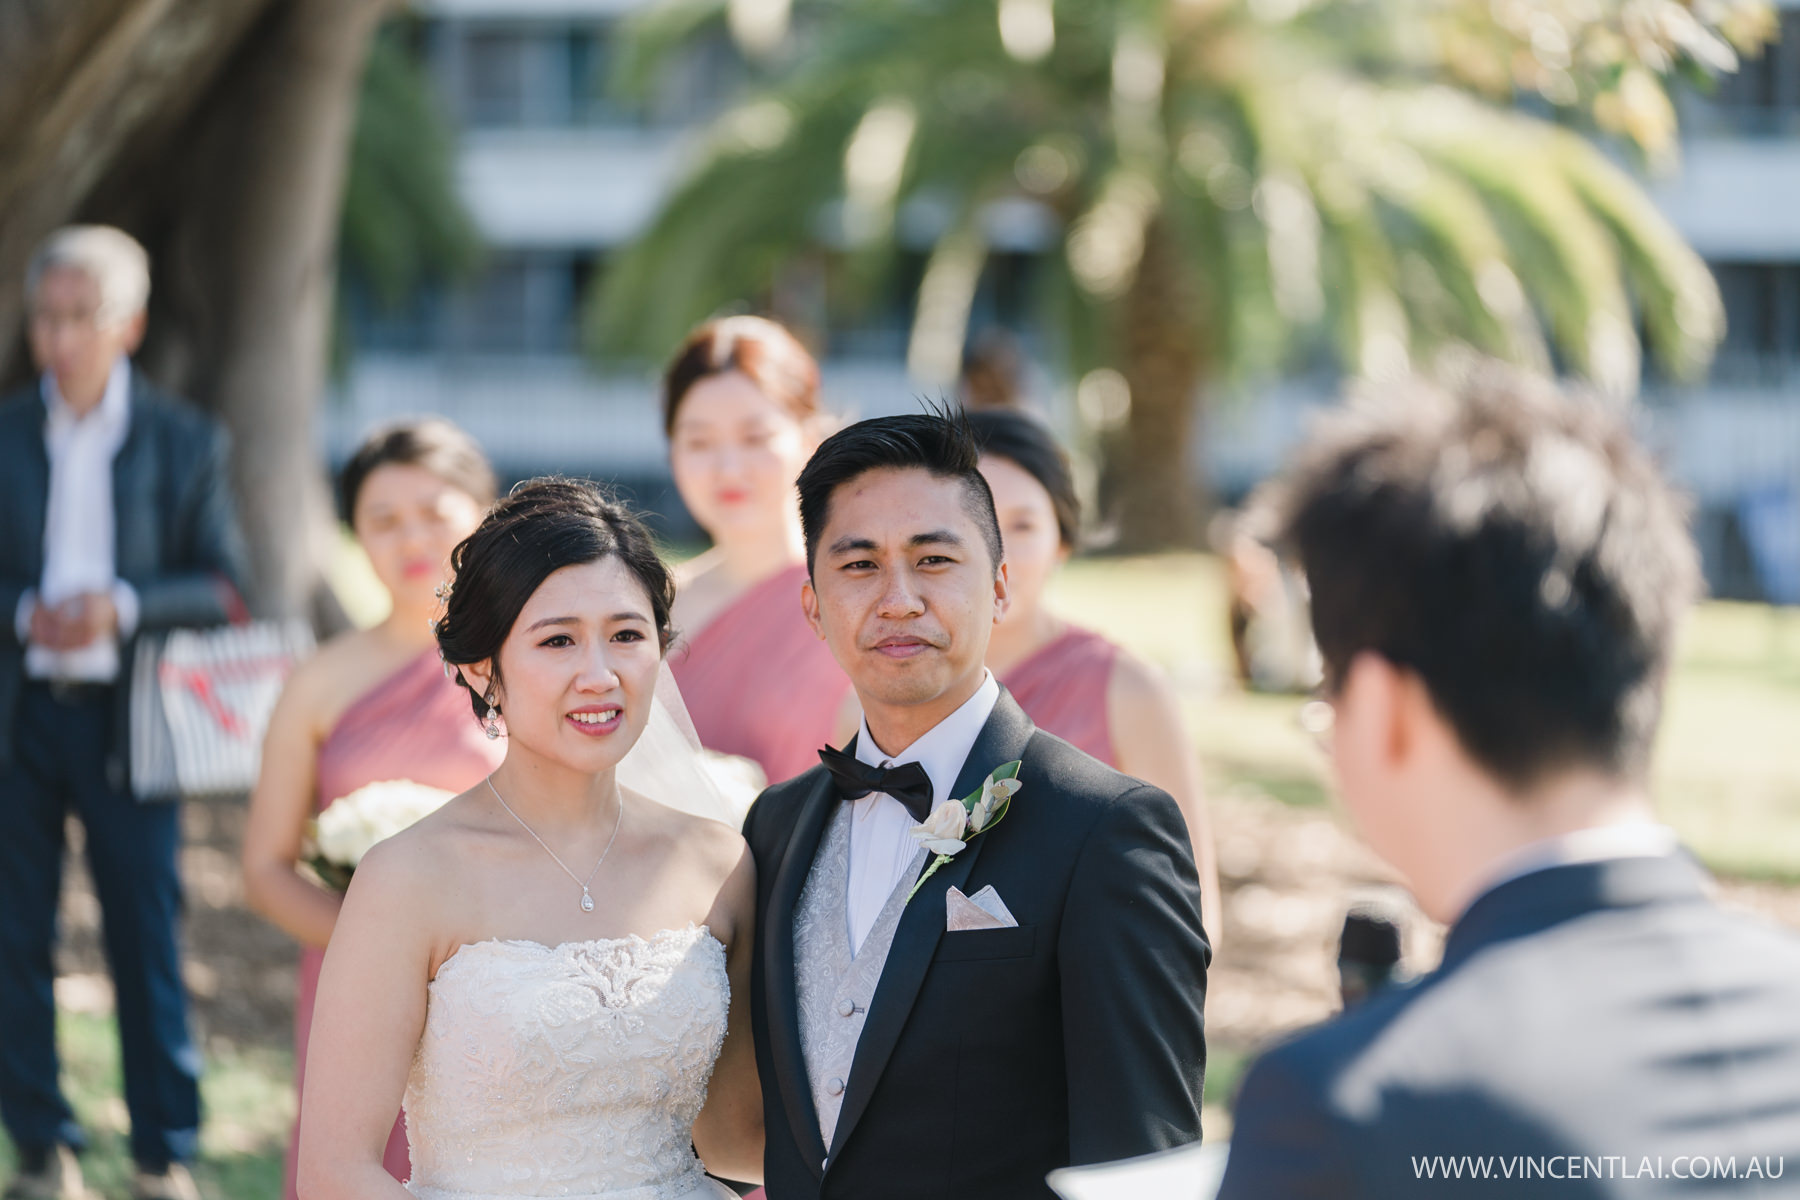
[
  {"x": 880, "y": 848},
  {"x": 79, "y": 533}
]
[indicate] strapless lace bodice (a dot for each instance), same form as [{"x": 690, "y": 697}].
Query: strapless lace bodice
[{"x": 573, "y": 1071}]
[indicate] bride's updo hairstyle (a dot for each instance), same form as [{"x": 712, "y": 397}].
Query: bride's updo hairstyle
[{"x": 542, "y": 527}]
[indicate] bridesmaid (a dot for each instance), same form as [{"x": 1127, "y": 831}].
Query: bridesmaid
[
  {"x": 741, "y": 409},
  {"x": 1071, "y": 681},
  {"x": 372, "y": 705}
]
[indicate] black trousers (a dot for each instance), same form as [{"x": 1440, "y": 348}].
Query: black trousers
[{"x": 132, "y": 852}]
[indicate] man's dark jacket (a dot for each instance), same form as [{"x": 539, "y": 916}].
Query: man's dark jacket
[
  {"x": 990, "y": 1057},
  {"x": 1594, "y": 1030},
  {"x": 177, "y": 541}
]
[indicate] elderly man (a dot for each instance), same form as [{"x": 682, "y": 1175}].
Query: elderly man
[{"x": 117, "y": 522}]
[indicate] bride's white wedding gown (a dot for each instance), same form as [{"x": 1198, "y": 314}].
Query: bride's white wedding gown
[{"x": 573, "y": 1071}]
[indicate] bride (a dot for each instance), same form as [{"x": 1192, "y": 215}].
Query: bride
[{"x": 543, "y": 969}]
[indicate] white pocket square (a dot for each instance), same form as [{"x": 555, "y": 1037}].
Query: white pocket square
[{"x": 984, "y": 910}]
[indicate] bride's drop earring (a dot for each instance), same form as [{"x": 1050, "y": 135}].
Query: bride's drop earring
[{"x": 491, "y": 723}]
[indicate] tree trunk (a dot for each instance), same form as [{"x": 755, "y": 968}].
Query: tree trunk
[
  {"x": 82, "y": 84},
  {"x": 1155, "y": 483},
  {"x": 216, "y": 131},
  {"x": 252, "y": 262}
]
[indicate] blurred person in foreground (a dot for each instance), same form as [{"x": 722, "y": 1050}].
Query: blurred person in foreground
[
  {"x": 118, "y": 522},
  {"x": 1073, "y": 682},
  {"x": 741, "y": 409},
  {"x": 1497, "y": 576},
  {"x": 374, "y": 705}
]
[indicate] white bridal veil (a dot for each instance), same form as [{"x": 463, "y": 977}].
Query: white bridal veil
[{"x": 668, "y": 764}]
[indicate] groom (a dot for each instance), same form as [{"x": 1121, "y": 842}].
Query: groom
[{"x": 1038, "y": 1001}]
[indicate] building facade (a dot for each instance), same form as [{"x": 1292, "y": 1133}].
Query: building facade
[{"x": 558, "y": 172}]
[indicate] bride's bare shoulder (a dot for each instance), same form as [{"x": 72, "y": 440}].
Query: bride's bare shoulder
[{"x": 419, "y": 855}]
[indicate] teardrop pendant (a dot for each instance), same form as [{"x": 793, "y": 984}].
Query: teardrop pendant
[{"x": 587, "y": 901}]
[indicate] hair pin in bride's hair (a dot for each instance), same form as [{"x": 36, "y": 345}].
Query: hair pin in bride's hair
[{"x": 442, "y": 590}]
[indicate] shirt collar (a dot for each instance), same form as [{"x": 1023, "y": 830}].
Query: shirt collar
[
  {"x": 114, "y": 401},
  {"x": 945, "y": 746},
  {"x": 1628, "y": 839}
]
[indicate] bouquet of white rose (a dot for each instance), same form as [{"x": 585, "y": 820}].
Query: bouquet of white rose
[{"x": 338, "y": 837}]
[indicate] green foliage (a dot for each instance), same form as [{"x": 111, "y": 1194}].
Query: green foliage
[
  {"x": 1354, "y": 173},
  {"x": 403, "y": 223}
]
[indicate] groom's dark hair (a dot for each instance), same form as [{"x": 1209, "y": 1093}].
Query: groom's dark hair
[{"x": 938, "y": 442}]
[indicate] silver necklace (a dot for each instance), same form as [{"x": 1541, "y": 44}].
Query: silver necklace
[{"x": 587, "y": 900}]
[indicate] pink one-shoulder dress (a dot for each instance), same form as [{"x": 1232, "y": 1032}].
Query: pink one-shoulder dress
[
  {"x": 414, "y": 725},
  {"x": 1063, "y": 689},
  {"x": 759, "y": 683}
]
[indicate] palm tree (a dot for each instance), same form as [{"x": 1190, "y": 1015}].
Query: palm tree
[{"x": 1234, "y": 185}]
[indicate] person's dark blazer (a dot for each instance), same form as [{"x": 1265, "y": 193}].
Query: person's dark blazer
[
  {"x": 1593, "y": 1010},
  {"x": 177, "y": 541},
  {"x": 991, "y": 1057}
]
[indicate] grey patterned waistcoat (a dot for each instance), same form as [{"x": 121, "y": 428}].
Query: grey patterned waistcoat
[{"x": 834, "y": 987}]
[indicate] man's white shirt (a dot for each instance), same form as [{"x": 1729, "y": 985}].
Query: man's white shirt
[
  {"x": 79, "y": 532},
  {"x": 880, "y": 848}
]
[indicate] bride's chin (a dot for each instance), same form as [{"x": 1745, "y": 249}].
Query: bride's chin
[{"x": 581, "y": 752}]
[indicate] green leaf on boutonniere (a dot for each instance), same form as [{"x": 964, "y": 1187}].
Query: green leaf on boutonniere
[{"x": 953, "y": 823}]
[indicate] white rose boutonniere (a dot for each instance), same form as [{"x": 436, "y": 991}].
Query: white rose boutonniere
[{"x": 947, "y": 831}]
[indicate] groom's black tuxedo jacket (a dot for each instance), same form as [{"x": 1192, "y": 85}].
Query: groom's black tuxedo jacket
[{"x": 990, "y": 1057}]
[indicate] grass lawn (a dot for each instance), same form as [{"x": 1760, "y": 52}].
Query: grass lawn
[
  {"x": 1727, "y": 770},
  {"x": 248, "y": 1102}
]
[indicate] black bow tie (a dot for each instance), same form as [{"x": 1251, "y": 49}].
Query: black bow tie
[{"x": 908, "y": 783}]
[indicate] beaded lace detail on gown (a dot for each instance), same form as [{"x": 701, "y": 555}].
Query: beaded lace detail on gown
[{"x": 573, "y": 1071}]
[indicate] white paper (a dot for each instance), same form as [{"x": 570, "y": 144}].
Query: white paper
[{"x": 1184, "y": 1173}]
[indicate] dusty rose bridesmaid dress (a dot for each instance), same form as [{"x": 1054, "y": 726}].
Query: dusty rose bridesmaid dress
[
  {"x": 759, "y": 683},
  {"x": 1063, "y": 687},
  {"x": 414, "y": 725}
]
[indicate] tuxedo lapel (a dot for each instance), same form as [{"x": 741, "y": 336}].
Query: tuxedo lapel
[
  {"x": 1002, "y": 740},
  {"x": 778, "y": 966}
]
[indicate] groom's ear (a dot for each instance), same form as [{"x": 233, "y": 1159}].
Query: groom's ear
[
  {"x": 809, "y": 604},
  {"x": 1002, "y": 593}
]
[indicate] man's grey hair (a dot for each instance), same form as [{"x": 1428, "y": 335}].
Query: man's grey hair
[{"x": 112, "y": 258}]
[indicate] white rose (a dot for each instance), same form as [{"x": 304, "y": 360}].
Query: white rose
[
  {"x": 944, "y": 829},
  {"x": 372, "y": 813},
  {"x": 338, "y": 835},
  {"x": 370, "y": 828}
]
